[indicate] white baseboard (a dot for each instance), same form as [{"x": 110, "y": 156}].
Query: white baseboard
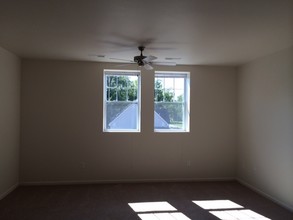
[
  {"x": 76, "y": 182},
  {"x": 9, "y": 191},
  {"x": 265, "y": 194}
]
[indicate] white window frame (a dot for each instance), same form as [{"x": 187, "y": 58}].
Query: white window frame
[
  {"x": 186, "y": 112},
  {"x": 108, "y": 72}
]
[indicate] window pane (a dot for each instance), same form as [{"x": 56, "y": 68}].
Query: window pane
[
  {"x": 169, "y": 83},
  {"x": 159, "y": 95},
  {"x": 122, "y": 95},
  {"x": 168, "y": 95},
  {"x": 169, "y": 115},
  {"x": 111, "y": 81},
  {"x": 179, "y": 83},
  {"x": 121, "y": 115},
  {"x": 159, "y": 83},
  {"x": 123, "y": 81},
  {"x": 111, "y": 94},
  {"x": 132, "y": 94},
  {"x": 179, "y": 95}
]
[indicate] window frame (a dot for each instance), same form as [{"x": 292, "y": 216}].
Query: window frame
[
  {"x": 186, "y": 103},
  {"x": 115, "y": 72}
]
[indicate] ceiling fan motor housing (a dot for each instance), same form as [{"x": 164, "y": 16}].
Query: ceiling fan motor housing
[{"x": 138, "y": 60}]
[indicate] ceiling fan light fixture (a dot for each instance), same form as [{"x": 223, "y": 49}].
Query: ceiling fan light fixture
[{"x": 140, "y": 63}]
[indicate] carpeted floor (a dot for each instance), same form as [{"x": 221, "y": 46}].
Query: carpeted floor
[{"x": 110, "y": 201}]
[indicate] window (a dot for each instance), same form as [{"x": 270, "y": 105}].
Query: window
[
  {"x": 171, "y": 101},
  {"x": 121, "y": 101}
]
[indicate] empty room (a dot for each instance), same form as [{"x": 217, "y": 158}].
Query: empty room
[{"x": 146, "y": 110}]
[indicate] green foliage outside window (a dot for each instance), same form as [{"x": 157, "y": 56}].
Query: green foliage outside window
[
  {"x": 168, "y": 106},
  {"x": 122, "y": 91},
  {"x": 121, "y": 88}
]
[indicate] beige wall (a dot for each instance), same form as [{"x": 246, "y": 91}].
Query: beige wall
[
  {"x": 265, "y": 153},
  {"x": 9, "y": 121},
  {"x": 62, "y": 138}
]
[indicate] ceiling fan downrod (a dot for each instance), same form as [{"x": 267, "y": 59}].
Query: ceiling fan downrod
[{"x": 139, "y": 59}]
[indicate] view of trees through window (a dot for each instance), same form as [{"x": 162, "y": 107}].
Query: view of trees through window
[
  {"x": 121, "y": 101},
  {"x": 121, "y": 92},
  {"x": 121, "y": 88},
  {"x": 169, "y": 101}
]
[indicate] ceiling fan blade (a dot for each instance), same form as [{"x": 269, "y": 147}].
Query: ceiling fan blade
[
  {"x": 164, "y": 63},
  {"x": 149, "y": 58},
  {"x": 147, "y": 66},
  {"x": 122, "y": 60}
]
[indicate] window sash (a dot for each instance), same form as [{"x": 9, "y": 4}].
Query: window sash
[
  {"x": 185, "y": 102},
  {"x": 170, "y": 75},
  {"x": 106, "y": 102}
]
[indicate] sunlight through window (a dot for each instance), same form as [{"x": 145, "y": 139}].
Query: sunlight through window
[
  {"x": 157, "y": 211},
  {"x": 164, "y": 216},
  {"x": 151, "y": 206},
  {"x": 217, "y": 204},
  {"x": 245, "y": 214},
  {"x": 228, "y": 210}
]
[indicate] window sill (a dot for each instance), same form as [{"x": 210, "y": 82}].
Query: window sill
[{"x": 170, "y": 131}]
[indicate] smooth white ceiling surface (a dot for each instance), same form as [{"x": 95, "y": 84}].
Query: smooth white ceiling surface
[{"x": 217, "y": 32}]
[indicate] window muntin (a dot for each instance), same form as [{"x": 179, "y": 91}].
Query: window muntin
[
  {"x": 171, "y": 101},
  {"x": 121, "y": 101}
]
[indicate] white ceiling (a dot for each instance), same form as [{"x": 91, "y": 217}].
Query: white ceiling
[{"x": 218, "y": 32}]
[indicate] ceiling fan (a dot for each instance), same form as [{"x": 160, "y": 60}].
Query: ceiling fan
[{"x": 146, "y": 61}]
